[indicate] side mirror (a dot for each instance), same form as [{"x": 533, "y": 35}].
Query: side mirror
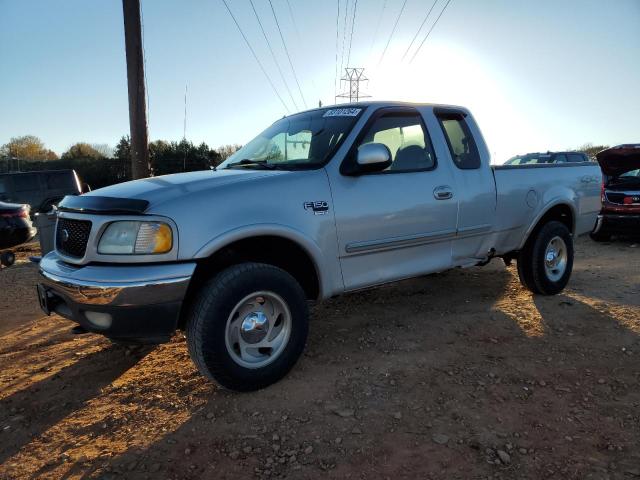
[{"x": 373, "y": 157}]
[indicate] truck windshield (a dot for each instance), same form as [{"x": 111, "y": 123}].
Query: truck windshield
[{"x": 304, "y": 140}]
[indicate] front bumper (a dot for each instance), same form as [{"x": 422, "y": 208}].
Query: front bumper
[
  {"x": 616, "y": 224},
  {"x": 125, "y": 302}
]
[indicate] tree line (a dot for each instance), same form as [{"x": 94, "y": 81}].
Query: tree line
[{"x": 98, "y": 165}]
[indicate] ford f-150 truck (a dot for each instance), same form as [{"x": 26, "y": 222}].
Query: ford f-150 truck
[{"x": 322, "y": 202}]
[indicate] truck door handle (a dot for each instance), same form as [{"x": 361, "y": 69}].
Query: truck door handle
[{"x": 443, "y": 192}]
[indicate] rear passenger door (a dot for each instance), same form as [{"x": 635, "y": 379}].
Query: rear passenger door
[
  {"x": 399, "y": 222},
  {"x": 475, "y": 183}
]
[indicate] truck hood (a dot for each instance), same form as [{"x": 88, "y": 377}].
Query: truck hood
[
  {"x": 139, "y": 196},
  {"x": 618, "y": 160}
]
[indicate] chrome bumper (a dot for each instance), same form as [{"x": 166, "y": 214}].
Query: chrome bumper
[
  {"x": 138, "y": 303},
  {"x": 598, "y": 225},
  {"x": 116, "y": 285}
]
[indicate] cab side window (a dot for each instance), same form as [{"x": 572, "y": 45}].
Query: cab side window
[
  {"x": 462, "y": 146},
  {"x": 404, "y": 135},
  {"x": 26, "y": 182}
]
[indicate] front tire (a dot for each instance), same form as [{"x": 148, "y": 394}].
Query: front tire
[
  {"x": 248, "y": 326},
  {"x": 546, "y": 261}
]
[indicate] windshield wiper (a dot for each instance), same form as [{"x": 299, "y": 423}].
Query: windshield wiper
[{"x": 253, "y": 163}]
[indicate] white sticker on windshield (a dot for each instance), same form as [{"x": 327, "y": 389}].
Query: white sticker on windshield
[{"x": 342, "y": 112}]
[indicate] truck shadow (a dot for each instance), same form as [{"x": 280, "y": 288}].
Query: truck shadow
[
  {"x": 408, "y": 347},
  {"x": 30, "y": 412}
]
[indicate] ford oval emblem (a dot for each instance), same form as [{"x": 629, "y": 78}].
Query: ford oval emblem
[{"x": 64, "y": 235}]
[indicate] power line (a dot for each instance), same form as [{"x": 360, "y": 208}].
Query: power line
[
  {"x": 419, "y": 29},
  {"x": 256, "y": 56},
  {"x": 430, "y": 30},
  {"x": 375, "y": 33},
  {"x": 273, "y": 55},
  {"x": 284, "y": 44},
  {"x": 293, "y": 20},
  {"x": 353, "y": 22},
  {"x": 344, "y": 34},
  {"x": 335, "y": 77},
  {"x": 300, "y": 43},
  {"x": 392, "y": 31}
]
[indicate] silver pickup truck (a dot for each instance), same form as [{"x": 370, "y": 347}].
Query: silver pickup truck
[{"x": 321, "y": 203}]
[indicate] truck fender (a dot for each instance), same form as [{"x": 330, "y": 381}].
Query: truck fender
[
  {"x": 554, "y": 202},
  {"x": 269, "y": 229}
]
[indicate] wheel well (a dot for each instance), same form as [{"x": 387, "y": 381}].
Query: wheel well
[
  {"x": 273, "y": 250},
  {"x": 560, "y": 213}
]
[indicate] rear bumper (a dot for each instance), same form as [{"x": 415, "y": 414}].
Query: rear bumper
[
  {"x": 618, "y": 224},
  {"x": 129, "y": 302}
]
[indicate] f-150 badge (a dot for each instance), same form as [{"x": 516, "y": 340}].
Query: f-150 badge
[{"x": 319, "y": 207}]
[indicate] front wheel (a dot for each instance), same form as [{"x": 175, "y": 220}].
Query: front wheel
[
  {"x": 248, "y": 326},
  {"x": 546, "y": 261}
]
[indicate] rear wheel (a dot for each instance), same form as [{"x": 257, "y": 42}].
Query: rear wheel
[
  {"x": 7, "y": 258},
  {"x": 248, "y": 326},
  {"x": 546, "y": 261}
]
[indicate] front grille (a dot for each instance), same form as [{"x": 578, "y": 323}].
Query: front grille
[{"x": 72, "y": 236}]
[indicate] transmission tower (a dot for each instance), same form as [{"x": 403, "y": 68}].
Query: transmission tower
[{"x": 353, "y": 77}]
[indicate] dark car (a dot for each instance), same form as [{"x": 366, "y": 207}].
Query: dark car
[
  {"x": 41, "y": 189},
  {"x": 15, "y": 228},
  {"x": 549, "y": 157},
  {"x": 620, "y": 213}
]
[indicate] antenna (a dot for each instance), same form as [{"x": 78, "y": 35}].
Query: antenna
[
  {"x": 184, "y": 131},
  {"x": 184, "y": 128},
  {"x": 354, "y": 76}
]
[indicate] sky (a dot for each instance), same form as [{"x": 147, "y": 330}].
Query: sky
[{"x": 543, "y": 75}]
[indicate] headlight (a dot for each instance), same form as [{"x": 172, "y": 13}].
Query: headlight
[{"x": 136, "y": 238}]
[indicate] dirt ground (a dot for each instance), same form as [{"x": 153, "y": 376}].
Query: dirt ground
[{"x": 456, "y": 375}]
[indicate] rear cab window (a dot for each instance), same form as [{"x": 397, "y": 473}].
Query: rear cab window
[{"x": 462, "y": 145}]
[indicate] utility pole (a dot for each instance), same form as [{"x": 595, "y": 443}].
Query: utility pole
[
  {"x": 135, "y": 83},
  {"x": 353, "y": 76}
]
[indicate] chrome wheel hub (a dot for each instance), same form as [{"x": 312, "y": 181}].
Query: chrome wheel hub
[
  {"x": 258, "y": 329},
  {"x": 254, "y": 327},
  {"x": 555, "y": 259}
]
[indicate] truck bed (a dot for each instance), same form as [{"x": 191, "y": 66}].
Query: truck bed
[{"x": 524, "y": 192}]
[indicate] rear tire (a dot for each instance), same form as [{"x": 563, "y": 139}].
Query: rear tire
[
  {"x": 247, "y": 326},
  {"x": 7, "y": 258},
  {"x": 546, "y": 261}
]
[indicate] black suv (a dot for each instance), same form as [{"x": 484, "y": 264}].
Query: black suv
[{"x": 41, "y": 189}]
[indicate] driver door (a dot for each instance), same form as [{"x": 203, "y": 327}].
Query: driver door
[{"x": 399, "y": 222}]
